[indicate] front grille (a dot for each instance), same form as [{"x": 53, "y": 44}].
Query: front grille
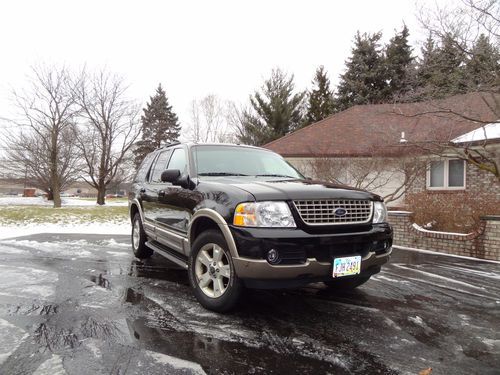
[{"x": 334, "y": 211}]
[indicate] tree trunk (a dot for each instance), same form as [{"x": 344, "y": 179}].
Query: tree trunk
[
  {"x": 56, "y": 195},
  {"x": 101, "y": 195}
]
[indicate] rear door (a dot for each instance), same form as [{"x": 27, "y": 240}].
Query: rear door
[{"x": 151, "y": 189}]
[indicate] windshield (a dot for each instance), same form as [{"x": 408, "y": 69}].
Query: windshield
[{"x": 241, "y": 161}]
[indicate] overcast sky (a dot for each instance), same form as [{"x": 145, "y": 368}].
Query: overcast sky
[{"x": 193, "y": 48}]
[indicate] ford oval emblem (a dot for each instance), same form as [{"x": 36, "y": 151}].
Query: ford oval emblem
[{"x": 340, "y": 212}]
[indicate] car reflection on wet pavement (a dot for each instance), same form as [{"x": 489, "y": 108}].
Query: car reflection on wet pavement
[{"x": 81, "y": 304}]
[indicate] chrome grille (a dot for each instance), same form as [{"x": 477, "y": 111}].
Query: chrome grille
[{"x": 323, "y": 212}]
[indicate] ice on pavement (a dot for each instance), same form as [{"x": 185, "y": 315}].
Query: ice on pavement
[
  {"x": 175, "y": 363},
  {"x": 52, "y": 366},
  {"x": 10, "y": 339},
  {"x": 27, "y": 282}
]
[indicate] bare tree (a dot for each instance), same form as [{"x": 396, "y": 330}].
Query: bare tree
[
  {"x": 464, "y": 21},
  {"x": 482, "y": 151},
  {"x": 110, "y": 127},
  {"x": 209, "y": 120},
  {"x": 392, "y": 175},
  {"x": 43, "y": 150}
]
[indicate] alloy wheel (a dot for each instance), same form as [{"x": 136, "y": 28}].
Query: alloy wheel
[{"x": 212, "y": 270}]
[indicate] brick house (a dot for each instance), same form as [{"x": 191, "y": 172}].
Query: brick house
[{"x": 388, "y": 148}]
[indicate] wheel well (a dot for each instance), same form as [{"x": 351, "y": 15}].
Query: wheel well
[
  {"x": 133, "y": 211},
  {"x": 200, "y": 225}
]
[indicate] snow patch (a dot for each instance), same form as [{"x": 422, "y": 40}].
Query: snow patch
[
  {"x": 176, "y": 363},
  {"x": 52, "y": 366},
  {"x": 40, "y": 201},
  {"x": 27, "y": 282},
  {"x": 111, "y": 228},
  {"x": 425, "y": 251},
  {"x": 416, "y": 319},
  {"x": 489, "y": 131},
  {"x": 11, "y": 337}
]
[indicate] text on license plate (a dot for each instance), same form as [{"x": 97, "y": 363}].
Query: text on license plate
[{"x": 346, "y": 266}]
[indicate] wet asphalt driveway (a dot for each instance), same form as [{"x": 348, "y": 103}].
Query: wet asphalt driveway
[{"x": 80, "y": 304}]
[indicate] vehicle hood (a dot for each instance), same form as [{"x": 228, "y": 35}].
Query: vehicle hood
[{"x": 279, "y": 189}]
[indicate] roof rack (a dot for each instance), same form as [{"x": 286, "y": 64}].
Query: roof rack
[{"x": 170, "y": 144}]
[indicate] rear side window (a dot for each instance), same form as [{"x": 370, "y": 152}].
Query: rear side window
[
  {"x": 143, "y": 170},
  {"x": 160, "y": 166}
]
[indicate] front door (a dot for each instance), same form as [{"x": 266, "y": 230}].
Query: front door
[{"x": 177, "y": 204}]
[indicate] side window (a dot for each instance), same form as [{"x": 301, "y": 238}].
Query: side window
[
  {"x": 143, "y": 170},
  {"x": 446, "y": 174},
  {"x": 160, "y": 166},
  {"x": 178, "y": 160}
]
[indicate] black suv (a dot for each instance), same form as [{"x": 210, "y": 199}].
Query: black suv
[{"x": 236, "y": 216}]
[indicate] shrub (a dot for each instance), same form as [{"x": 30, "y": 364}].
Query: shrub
[{"x": 457, "y": 212}]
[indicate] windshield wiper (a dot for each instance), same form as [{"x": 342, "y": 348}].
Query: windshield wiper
[
  {"x": 274, "y": 175},
  {"x": 221, "y": 174}
]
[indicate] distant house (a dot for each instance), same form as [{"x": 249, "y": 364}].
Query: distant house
[{"x": 391, "y": 149}]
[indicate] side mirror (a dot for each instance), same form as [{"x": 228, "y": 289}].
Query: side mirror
[{"x": 170, "y": 175}]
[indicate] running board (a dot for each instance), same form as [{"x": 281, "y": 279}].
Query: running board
[{"x": 167, "y": 253}]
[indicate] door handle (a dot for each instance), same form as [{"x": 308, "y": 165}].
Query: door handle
[{"x": 161, "y": 193}]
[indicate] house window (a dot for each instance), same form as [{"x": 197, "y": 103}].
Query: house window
[{"x": 446, "y": 174}]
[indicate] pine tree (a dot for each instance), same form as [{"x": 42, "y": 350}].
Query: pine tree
[
  {"x": 275, "y": 111},
  {"x": 320, "y": 100},
  {"x": 365, "y": 78},
  {"x": 483, "y": 67},
  {"x": 441, "y": 70},
  {"x": 159, "y": 125},
  {"x": 427, "y": 64},
  {"x": 398, "y": 62},
  {"x": 449, "y": 79}
]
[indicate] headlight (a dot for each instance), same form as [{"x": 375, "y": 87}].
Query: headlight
[
  {"x": 263, "y": 214},
  {"x": 379, "y": 212}
]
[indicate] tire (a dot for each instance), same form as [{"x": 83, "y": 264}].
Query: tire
[
  {"x": 139, "y": 239},
  {"x": 211, "y": 273},
  {"x": 346, "y": 284}
]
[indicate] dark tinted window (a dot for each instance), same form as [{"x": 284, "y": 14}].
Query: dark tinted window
[
  {"x": 160, "y": 166},
  {"x": 178, "y": 160},
  {"x": 143, "y": 170}
]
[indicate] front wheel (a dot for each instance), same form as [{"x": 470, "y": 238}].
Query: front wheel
[
  {"x": 211, "y": 273},
  {"x": 346, "y": 284}
]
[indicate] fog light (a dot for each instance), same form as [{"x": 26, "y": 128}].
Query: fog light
[{"x": 273, "y": 256}]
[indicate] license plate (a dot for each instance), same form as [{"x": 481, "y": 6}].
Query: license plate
[{"x": 346, "y": 266}]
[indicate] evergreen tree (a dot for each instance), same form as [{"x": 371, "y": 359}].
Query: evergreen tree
[
  {"x": 398, "y": 62},
  {"x": 275, "y": 111},
  {"x": 427, "y": 64},
  {"x": 320, "y": 100},
  {"x": 159, "y": 125},
  {"x": 483, "y": 67},
  {"x": 364, "y": 80},
  {"x": 441, "y": 70},
  {"x": 449, "y": 78}
]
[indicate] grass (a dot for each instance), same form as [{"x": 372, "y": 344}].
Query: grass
[
  {"x": 66, "y": 215},
  {"x": 123, "y": 199}
]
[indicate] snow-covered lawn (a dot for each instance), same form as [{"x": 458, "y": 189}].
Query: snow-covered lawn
[
  {"x": 40, "y": 201},
  {"x": 21, "y": 216}
]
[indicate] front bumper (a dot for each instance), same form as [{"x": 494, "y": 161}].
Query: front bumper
[{"x": 312, "y": 254}]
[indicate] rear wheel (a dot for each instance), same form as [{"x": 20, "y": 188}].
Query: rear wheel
[
  {"x": 346, "y": 284},
  {"x": 139, "y": 239},
  {"x": 211, "y": 273}
]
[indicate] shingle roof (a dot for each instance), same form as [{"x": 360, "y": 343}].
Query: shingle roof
[{"x": 376, "y": 129}]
